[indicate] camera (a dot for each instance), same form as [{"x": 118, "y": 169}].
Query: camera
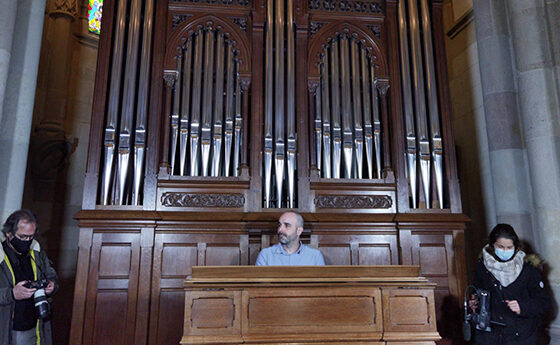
[
  {"x": 481, "y": 317},
  {"x": 42, "y": 307},
  {"x": 36, "y": 284}
]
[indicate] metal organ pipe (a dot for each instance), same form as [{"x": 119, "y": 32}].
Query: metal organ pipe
[
  {"x": 357, "y": 107},
  {"x": 436, "y": 139},
  {"x": 325, "y": 107},
  {"x": 407, "y": 104},
  {"x": 113, "y": 107},
  {"x": 206, "y": 130},
  {"x": 336, "y": 124},
  {"x": 195, "y": 113},
  {"x": 228, "y": 141},
  {"x": 218, "y": 108},
  {"x": 367, "y": 86},
  {"x": 142, "y": 104},
  {"x": 238, "y": 123},
  {"x": 291, "y": 106},
  {"x": 376, "y": 121},
  {"x": 346, "y": 106},
  {"x": 175, "y": 113},
  {"x": 185, "y": 104},
  {"x": 269, "y": 103}
]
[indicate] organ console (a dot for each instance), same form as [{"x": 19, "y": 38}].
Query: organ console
[{"x": 309, "y": 305}]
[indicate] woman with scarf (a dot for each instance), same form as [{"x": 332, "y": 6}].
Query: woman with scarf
[{"x": 518, "y": 297}]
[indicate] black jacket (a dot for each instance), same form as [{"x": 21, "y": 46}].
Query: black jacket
[{"x": 528, "y": 289}]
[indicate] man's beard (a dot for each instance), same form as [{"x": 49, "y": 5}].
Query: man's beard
[{"x": 284, "y": 239}]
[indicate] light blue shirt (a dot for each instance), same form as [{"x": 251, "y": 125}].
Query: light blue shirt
[{"x": 277, "y": 256}]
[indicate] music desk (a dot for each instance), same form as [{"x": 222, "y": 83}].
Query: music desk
[{"x": 309, "y": 305}]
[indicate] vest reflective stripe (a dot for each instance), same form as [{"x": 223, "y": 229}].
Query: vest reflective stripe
[
  {"x": 11, "y": 269},
  {"x": 34, "y": 267}
]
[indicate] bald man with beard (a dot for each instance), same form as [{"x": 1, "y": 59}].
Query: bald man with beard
[{"x": 289, "y": 251}]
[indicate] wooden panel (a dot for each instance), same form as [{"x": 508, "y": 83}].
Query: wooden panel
[
  {"x": 223, "y": 255},
  {"x": 313, "y": 311},
  {"x": 363, "y": 245},
  {"x": 432, "y": 259},
  {"x": 216, "y": 315},
  {"x": 112, "y": 317},
  {"x": 433, "y": 248},
  {"x": 114, "y": 260},
  {"x": 169, "y": 320},
  {"x": 408, "y": 310},
  {"x": 376, "y": 254},
  {"x": 112, "y": 288},
  {"x": 432, "y": 252},
  {"x": 305, "y": 273},
  {"x": 176, "y": 260},
  {"x": 337, "y": 254},
  {"x": 175, "y": 253}
]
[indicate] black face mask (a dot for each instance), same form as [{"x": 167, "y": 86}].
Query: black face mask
[{"x": 20, "y": 245}]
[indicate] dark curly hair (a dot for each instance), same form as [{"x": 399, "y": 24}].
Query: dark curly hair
[
  {"x": 11, "y": 224},
  {"x": 503, "y": 231}
]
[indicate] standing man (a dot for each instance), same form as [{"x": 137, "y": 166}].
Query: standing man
[
  {"x": 23, "y": 262},
  {"x": 289, "y": 251}
]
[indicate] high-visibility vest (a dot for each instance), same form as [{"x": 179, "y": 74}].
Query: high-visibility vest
[{"x": 34, "y": 267}]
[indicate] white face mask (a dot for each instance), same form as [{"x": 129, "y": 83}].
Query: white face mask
[{"x": 504, "y": 255}]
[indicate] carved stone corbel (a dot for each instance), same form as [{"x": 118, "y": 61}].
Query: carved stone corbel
[{"x": 69, "y": 8}]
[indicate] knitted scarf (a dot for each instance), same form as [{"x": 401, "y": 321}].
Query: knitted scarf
[{"x": 506, "y": 272}]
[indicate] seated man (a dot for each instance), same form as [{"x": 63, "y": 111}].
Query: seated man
[{"x": 289, "y": 251}]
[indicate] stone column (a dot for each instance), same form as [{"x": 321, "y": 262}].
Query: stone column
[
  {"x": 18, "y": 101},
  {"x": 8, "y": 20},
  {"x": 513, "y": 203},
  {"x": 533, "y": 44},
  {"x": 49, "y": 146}
]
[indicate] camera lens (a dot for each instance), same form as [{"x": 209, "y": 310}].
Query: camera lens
[{"x": 41, "y": 304}]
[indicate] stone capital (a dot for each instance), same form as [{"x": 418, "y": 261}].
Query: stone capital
[{"x": 67, "y": 8}]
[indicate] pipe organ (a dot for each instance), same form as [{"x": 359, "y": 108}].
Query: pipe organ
[{"x": 212, "y": 117}]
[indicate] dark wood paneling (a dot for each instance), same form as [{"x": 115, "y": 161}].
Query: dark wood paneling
[
  {"x": 169, "y": 319},
  {"x": 112, "y": 281},
  {"x": 113, "y": 317},
  {"x": 174, "y": 255}
]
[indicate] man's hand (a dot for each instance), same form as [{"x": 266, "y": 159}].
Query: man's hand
[
  {"x": 514, "y": 306},
  {"x": 49, "y": 289},
  {"x": 21, "y": 292}
]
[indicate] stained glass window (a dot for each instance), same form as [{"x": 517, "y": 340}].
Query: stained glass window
[{"x": 95, "y": 8}]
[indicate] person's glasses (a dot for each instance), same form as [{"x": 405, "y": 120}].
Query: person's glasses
[{"x": 25, "y": 237}]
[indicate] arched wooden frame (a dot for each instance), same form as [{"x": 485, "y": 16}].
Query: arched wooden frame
[
  {"x": 192, "y": 25},
  {"x": 321, "y": 40}
]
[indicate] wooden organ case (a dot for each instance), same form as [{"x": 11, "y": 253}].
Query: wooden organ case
[{"x": 212, "y": 117}]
